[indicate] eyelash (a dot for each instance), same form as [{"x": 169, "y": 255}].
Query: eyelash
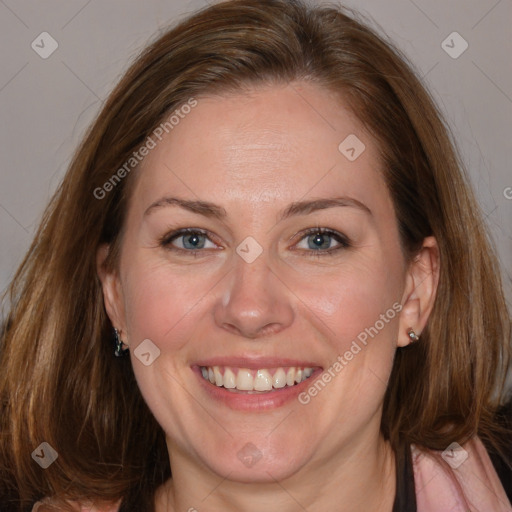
[
  {"x": 166, "y": 240},
  {"x": 343, "y": 241}
]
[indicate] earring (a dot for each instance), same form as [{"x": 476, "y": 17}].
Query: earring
[
  {"x": 119, "y": 350},
  {"x": 412, "y": 335}
]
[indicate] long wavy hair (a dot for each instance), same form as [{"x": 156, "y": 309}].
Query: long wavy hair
[{"x": 59, "y": 380}]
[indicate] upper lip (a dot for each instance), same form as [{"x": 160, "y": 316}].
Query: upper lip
[{"x": 255, "y": 363}]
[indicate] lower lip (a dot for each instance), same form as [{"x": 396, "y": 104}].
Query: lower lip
[{"x": 256, "y": 401}]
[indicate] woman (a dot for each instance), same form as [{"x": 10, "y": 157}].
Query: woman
[{"x": 270, "y": 217}]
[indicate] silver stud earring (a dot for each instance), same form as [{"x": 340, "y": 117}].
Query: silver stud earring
[
  {"x": 119, "y": 350},
  {"x": 412, "y": 335}
]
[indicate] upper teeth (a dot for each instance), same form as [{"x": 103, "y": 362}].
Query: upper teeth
[{"x": 244, "y": 379}]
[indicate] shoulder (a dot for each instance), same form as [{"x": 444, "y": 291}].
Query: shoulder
[{"x": 458, "y": 475}]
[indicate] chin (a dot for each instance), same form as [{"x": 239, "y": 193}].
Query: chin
[{"x": 261, "y": 460}]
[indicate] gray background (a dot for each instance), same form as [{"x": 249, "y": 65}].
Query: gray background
[{"x": 46, "y": 104}]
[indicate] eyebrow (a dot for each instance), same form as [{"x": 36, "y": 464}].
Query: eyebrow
[
  {"x": 200, "y": 207},
  {"x": 214, "y": 211},
  {"x": 306, "y": 207}
]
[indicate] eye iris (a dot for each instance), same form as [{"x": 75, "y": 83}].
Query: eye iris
[
  {"x": 320, "y": 241},
  {"x": 194, "y": 239}
]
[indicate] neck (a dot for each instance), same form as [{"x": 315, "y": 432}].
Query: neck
[{"x": 358, "y": 478}]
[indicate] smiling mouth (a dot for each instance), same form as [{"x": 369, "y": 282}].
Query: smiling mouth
[{"x": 265, "y": 380}]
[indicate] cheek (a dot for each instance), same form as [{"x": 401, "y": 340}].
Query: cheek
[
  {"x": 161, "y": 303},
  {"x": 164, "y": 306},
  {"x": 355, "y": 300}
]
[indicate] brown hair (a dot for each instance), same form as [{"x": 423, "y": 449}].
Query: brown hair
[{"x": 60, "y": 382}]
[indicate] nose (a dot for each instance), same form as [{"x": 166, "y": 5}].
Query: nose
[{"x": 254, "y": 302}]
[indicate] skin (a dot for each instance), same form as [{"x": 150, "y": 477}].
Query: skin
[{"x": 253, "y": 154}]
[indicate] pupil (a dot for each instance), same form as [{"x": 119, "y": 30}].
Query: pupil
[
  {"x": 193, "y": 240},
  {"x": 320, "y": 240}
]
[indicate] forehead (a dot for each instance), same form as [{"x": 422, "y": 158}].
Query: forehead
[{"x": 263, "y": 148}]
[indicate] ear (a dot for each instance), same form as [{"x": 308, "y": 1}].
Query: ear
[
  {"x": 112, "y": 290},
  {"x": 420, "y": 291}
]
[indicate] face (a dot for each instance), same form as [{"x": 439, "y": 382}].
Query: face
[{"x": 290, "y": 268}]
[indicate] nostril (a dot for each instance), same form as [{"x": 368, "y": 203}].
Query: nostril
[{"x": 262, "y": 332}]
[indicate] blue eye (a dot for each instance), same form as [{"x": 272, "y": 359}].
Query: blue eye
[
  {"x": 319, "y": 241},
  {"x": 189, "y": 240}
]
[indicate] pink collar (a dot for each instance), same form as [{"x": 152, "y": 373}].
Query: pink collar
[{"x": 454, "y": 483}]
